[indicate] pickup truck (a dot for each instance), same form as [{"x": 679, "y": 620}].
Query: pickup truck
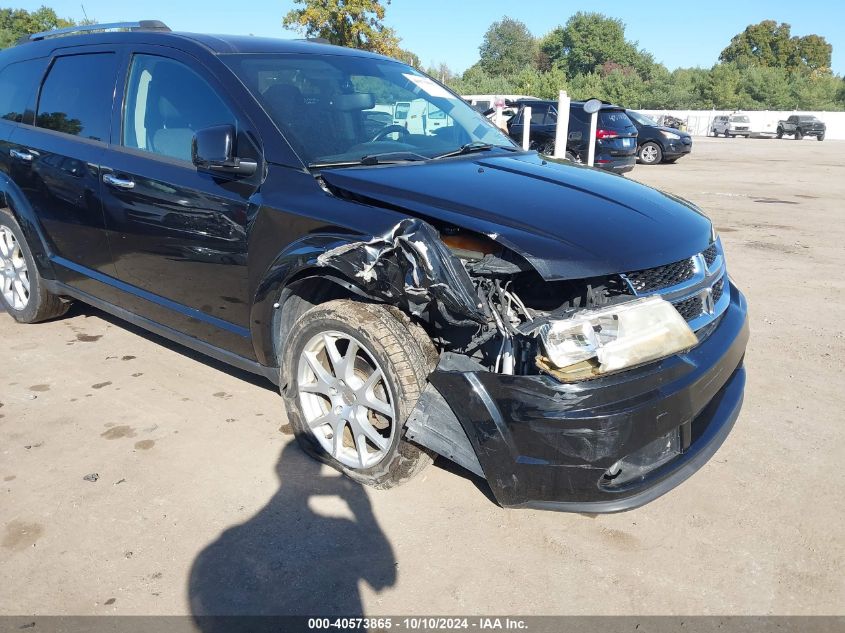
[{"x": 801, "y": 125}]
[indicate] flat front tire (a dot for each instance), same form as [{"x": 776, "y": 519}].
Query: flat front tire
[
  {"x": 357, "y": 371},
  {"x": 22, "y": 290}
]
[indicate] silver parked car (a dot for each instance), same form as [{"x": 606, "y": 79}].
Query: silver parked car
[{"x": 731, "y": 125}]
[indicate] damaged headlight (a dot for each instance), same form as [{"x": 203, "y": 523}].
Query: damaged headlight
[{"x": 596, "y": 342}]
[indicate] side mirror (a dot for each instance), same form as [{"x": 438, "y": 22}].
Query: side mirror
[{"x": 213, "y": 149}]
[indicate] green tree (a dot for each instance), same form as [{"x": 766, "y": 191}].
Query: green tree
[
  {"x": 772, "y": 45},
  {"x": 588, "y": 41},
  {"x": 412, "y": 59},
  {"x": 442, "y": 73},
  {"x": 508, "y": 47},
  {"x": 16, "y": 23},
  {"x": 813, "y": 52},
  {"x": 353, "y": 23},
  {"x": 476, "y": 80}
]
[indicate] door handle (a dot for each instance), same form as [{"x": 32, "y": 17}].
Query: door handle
[
  {"x": 120, "y": 183},
  {"x": 19, "y": 155}
]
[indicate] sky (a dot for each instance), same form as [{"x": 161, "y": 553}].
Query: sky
[{"x": 678, "y": 34}]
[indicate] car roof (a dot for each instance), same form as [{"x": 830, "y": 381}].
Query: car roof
[{"x": 208, "y": 43}]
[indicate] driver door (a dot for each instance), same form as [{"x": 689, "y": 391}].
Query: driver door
[{"x": 178, "y": 235}]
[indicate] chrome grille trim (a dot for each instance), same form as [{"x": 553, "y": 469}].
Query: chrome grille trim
[{"x": 703, "y": 296}]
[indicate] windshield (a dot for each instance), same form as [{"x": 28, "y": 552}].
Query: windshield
[
  {"x": 340, "y": 109},
  {"x": 641, "y": 118},
  {"x": 739, "y": 119}
]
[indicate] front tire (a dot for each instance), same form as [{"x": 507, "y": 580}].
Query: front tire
[
  {"x": 820, "y": 137},
  {"x": 780, "y": 133},
  {"x": 357, "y": 371},
  {"x": 651, "y": 153},
  {"x": 22, "y": 290}
]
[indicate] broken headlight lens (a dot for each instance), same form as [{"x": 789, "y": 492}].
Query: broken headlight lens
[{"x": 596, "y": 342}]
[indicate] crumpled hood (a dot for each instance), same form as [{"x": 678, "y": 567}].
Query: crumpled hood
[{"x": 568, "y": 221}]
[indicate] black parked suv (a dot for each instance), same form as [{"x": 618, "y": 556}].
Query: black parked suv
[
  {"x": 616, "y": 136},
  {"x": 415, "y": 290},
  {"x": 658, "y": 143}
]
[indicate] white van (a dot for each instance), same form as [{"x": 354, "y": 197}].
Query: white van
[{"x": 420, "y": 117}]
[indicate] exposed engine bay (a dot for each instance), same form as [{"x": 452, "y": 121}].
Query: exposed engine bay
[{"x": 481, "y": 300}]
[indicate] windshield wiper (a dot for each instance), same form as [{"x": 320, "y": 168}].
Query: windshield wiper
[
  {"x": 476, "y": 146},
  {"x": 384, "y": 158}
]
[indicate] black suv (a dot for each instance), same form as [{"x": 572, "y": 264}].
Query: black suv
[
  {"x": 349, "y": 228},
  {"x": 616, "y": 135},
  {"x": 658, "y": 143}
]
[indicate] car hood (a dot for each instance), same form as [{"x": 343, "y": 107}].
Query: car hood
[
  {"x": 568, "y": 221},
  {"x": 654, "y": 130},
  {"x": 664, "y": 128}
]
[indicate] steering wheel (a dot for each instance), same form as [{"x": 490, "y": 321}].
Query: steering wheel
[{"x": 390, "y": 129}]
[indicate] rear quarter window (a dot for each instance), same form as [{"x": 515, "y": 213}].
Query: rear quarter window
[
  {"x": 77, "y": 94},
  {"x": 18, "y": 85}
]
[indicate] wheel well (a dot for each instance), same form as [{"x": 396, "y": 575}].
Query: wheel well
[{"x": 296, "y": 299}]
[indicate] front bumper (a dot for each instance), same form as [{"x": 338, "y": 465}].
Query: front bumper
[
  {"x": 544, "y": 444},
  {"x": 676, "y": 149}
]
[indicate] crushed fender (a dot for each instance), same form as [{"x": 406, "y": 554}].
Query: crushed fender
[{"x": 410, "y": 267}]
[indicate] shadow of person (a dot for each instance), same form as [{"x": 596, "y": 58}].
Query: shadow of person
[{"x": 291, "y": 558}]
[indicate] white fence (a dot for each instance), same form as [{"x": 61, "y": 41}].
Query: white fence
[{"x": 762, "y": 121}]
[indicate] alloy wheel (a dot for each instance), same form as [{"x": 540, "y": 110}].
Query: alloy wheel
[
  {"x": 14, "y": 274},
  {"x": 649, "y": 154},
  {"x": 346, "y": 399}
]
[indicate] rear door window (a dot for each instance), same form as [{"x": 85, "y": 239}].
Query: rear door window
[
  {"x": 77, "y": 95},
  {"x": 18, "y": 84}
]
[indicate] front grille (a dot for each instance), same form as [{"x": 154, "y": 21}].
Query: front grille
[
  {"x": 652, "y": 279},
  {"x": 718, "y": 289},
  {"x": 694, "y": 286},
  {"x": 689, "y": 308},
  {"x": 710, "y": 254}
]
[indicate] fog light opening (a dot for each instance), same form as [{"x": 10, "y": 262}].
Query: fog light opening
[{"x": 640, "y": 463}]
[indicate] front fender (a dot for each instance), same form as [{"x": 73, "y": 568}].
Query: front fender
[
  {"x": 14, "y": 202},
  {"x": 408, "y": 267}
]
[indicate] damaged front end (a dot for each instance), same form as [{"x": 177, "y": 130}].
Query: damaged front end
[{"x": 575, "y": 394}]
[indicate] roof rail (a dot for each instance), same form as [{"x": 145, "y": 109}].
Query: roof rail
[{"x": 142, "y": 25}]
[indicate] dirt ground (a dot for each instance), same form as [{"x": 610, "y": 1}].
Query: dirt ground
[{"x": 202, "y": 501}]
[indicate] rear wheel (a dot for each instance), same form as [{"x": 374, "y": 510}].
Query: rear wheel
[
  {"x": 651, "y": 153},
  {"x": 357, "y": 372},
  {"x": 799, "y": 134},
  {"x": 22, "y": 291}
]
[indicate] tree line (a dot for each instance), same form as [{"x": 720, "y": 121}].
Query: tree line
[{"x": 764, "y": 67}]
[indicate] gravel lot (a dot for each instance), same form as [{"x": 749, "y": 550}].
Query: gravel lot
[{"x": 201, "y": 490}]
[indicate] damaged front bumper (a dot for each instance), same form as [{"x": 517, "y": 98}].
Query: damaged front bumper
[{"x": 544, "y": 444}]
